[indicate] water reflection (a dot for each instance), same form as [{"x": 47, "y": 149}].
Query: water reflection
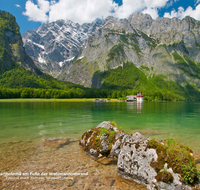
[
  {"x": 139, "y": 107},
  {"x": 134, "y": 107}
]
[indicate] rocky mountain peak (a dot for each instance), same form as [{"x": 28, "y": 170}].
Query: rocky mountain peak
[
  {"x": 55, "y": 44},
  {"x": 110, "y": 19},
  {"x": 109, "y": 22},
  {"x": 141, "y": 21}
]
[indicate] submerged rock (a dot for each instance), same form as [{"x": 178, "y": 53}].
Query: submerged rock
[
  {"x": 158, "y": 165},
  {"x": 56, "y": 142}
]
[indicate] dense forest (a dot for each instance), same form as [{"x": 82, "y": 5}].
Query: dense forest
[
  {"x": 7, "y": 93},
  {"x": 7, "y": 23},
  {"x": 117, "y": 83}
]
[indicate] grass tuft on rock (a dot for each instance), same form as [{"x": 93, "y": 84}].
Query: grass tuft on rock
[
  {"x": 177, "y": 156},
  {"x": 165, "y": 177}
]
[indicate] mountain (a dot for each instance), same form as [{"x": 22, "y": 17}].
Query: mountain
[
  {"x": 164, "y": 48},
  {"x": 54, "y": 45},
  {"x": 17, "y": 69}
]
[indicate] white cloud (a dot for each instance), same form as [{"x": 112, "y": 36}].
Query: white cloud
[
  {"x": 82, "y": 11},
  {"x": 37, "y": 12},
  {"x": 170, "y": 3},
  {"x": 152, "y": 11},
  {"x": 155, "y": 3},
  {"x": 147, "y": 6},
  {"x": 53, "y": 2},
  {"x": 44, "y": 5},
  {"x": 181, "y": 13},
  {"x": 16, "y": 5},
  {"x": 197, "y": 2},
  {"x": 128, "y": 7}
]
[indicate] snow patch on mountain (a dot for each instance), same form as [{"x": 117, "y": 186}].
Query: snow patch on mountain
[
  {"x": 36, "y": 44},
  {"x": 57, "y": 42},
  {"x": 68, "y": 60},
  {"x": 41, "y": 60},
  {"x": 80, "y": 57}
]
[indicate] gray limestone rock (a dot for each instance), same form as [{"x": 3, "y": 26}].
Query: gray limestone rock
[
  {"x": 142, "y": 41},
  {"x": 108, "y": 125},
  {"x": 137, "y": 161},
  {"x": 14, "y": 45},
  {"x": 79, "y": 53},
  {"x": 135, "y": 158}
]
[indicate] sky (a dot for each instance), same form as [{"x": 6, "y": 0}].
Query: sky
[{"x": 30, "y": 14}]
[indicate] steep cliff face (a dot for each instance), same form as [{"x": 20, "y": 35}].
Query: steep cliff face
[
  {"x": 164, "y": 47},
  {"x": 11, "y": 46},
  {"x": 53, "y": 46}
]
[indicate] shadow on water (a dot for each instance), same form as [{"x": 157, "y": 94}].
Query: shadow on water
[{"x": 66, "y": 143}]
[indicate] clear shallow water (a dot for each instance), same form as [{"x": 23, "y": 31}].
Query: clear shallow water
[{"x": 38, "y": 120}]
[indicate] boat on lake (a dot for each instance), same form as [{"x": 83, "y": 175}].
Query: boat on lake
[{"x": 99, "y": 100}]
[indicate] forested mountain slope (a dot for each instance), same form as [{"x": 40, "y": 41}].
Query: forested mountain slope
[{"x": 17, "y": 70}]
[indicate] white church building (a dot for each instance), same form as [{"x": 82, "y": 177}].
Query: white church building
[{"x": 138, "y": 97}]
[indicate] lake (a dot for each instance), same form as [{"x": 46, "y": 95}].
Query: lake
[
  {"x": 27, "y": 120},
  {"x": 25, "y": 125}
]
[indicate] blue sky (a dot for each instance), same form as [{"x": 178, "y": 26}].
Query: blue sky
[{"x": 30, "y": 14}]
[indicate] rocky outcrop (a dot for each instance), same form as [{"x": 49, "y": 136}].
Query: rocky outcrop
[
  {"x": 165, "y": 29},
  {"x": 134, "y": 159},
  {"x": 13, "y": 43},
  {"x": 156, "y": 164}
]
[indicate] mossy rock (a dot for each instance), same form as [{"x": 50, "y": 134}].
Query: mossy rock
[
  {"x": 177, "y": 157},
  {"x": 159, "y": 165},
  {"x": 103, "y": 141}
]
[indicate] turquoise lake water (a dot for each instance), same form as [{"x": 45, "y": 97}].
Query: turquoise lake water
[{"x": 40, "y": 120}]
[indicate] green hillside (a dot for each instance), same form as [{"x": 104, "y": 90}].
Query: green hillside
[
  {"x": 12, "y": 75},
  {"x": 18, "y": 77},
  {"x": 153, "y": 87},
  {"x": 7, "y": 23}
]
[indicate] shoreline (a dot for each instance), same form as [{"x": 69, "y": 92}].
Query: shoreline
[
  {"x": 53, "y": 162},
  {"x": 55, "y": 100},
  {"x": 64, "y": 158}
]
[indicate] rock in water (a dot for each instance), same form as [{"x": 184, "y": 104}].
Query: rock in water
[
  {"x": 165, "y": 165},
  {"x": 134, "y": 159},
  {"x": 103, "y": 141},
  {"x": 156, "y": 164}
]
